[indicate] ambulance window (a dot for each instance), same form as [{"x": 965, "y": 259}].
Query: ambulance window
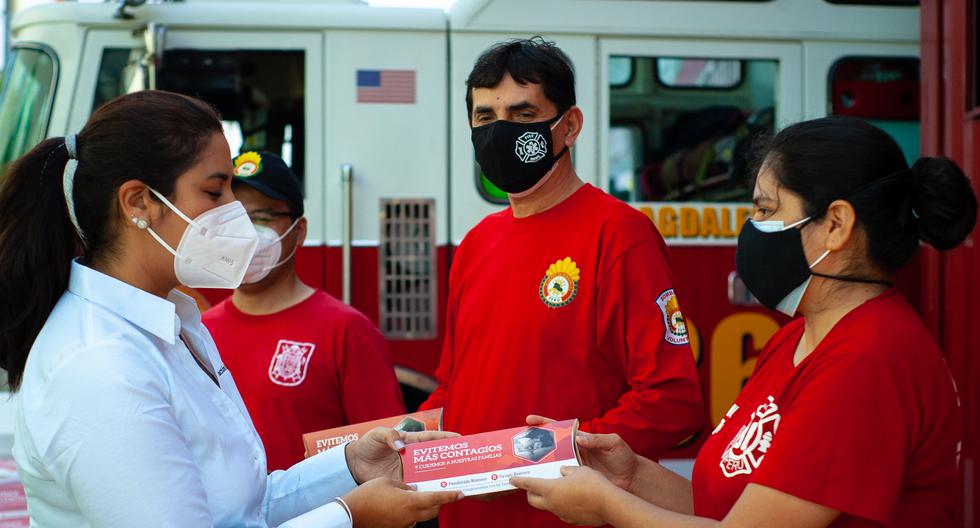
[
  {"x": 28, "y": 92},
  {"x": 259, "y": 94},
  {"x": 883, "y": 91},
  {"x": 682, "y": 129},
  {"x": 699, "y": 73}
]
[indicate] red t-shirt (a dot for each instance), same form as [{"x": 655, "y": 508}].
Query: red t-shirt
[
  {"x": 867, "y": 424},
  {"x": 568, "y": 313},
  {"x": 316, "y": 365}
]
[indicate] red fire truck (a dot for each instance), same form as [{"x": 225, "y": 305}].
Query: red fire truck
[
  {"x": 672, "y": 91},
  {"x": 949, "y": 285}
]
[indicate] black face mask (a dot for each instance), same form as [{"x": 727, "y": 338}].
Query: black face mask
[
  {"x": 774, "y": 268},
  {"x": 771, "y": 264},
  {"x": 515, "y": 156}
]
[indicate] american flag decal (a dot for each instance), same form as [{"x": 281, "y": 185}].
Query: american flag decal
[{"x": 386, "y": 86}]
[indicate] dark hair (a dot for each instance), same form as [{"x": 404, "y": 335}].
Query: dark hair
[
  {"x": 151, "y": 136},
  {"x": 534, "y": 60},
  {"x": 838, "y": 157}
]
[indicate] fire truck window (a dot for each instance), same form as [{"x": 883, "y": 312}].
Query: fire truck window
[
  {"x": 973, "y": 65},
  {"x": 620, "y": 71},
  {"x": 28, "y": 91},
  {"x": 682, "y": 129},
  {"x": 625, "y": 151},
  {"x": 487, "y": 189},
  {"x": 260, "y": 95},
  {"x": 883, "y": 91},
  {"x": 119, "y": 73},
  {"x": 234, "y": 136},
  {"x": 877, "y": 2},
  {"x": 699, "y": 73}
]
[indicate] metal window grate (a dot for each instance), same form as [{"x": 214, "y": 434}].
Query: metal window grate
[{"x": 407, "y": 269}]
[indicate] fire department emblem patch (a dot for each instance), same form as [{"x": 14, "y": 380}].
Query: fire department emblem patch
[
  {"x": 560, "y": 283},
  {"x": 289, "y": 363},
  {"x": 531, "y": 147},
  {"x": 248, "y": 164},
  {"x": 746, "y": 451},
  {"x": 675, "y": 331}
]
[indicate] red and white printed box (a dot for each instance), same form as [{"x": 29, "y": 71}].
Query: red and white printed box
[
  {"x": 430, "y": 420},
  {"x": 485, "y": 462},
  {"x": 19, "y": 520},
  {"x": 12, "y": 497}
]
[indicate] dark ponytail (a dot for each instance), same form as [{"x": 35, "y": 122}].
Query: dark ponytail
[
  {"x": 943, "y": 201},
  {"x": 37, "y": 243},
  {"x": 151, "y": 136},
  {"x": 834, "y": 158}
]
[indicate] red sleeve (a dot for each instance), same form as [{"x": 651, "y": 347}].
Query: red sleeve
[
  {"x": 445, "y": 370},
  {"x": 663, "y": 405},
  {"x": 841, "y": 441},
  {"x": 369, "y": 389}
]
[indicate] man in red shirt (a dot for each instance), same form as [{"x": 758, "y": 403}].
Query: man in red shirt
[
  {"x": 562, "y": 304},
  {"x": 303, "y": 361}
]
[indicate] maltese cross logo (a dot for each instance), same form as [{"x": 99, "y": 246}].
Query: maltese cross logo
[
  {"x": 746, "y": 451},
  {"x": 531, "y": 147}
]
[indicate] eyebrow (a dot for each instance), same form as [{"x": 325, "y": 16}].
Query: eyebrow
[
  {"x": 523, "y": 105},
  {"x": 516, "y": 107},
  {"x": 762, "y": 199},
  {"x": 220, "y": 175}
]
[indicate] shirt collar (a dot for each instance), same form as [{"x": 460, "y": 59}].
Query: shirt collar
[{"x": 143, "y": 309}]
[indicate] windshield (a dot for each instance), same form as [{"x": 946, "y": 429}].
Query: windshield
[{"x": 25, "y": 105}]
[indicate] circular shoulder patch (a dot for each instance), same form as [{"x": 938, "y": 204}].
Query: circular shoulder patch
[{"x": 675, "y": 329}]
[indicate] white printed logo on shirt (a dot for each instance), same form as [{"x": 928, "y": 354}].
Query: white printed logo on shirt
[
  {"x": 745, "y": 452},
  {"x": 289, "y": 363}
]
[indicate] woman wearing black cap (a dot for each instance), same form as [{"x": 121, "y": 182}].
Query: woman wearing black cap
[
  {"x": 851, "y": 417},
  {"x": 126, "y": 415}
]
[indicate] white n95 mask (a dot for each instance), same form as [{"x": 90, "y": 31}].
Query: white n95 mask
[
  {"x": 216, "y": 247},
  {"x": 267, "y": 253}
]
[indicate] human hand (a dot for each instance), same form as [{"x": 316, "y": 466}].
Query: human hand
[
  {"x": 608, "y": 454},
  {"x": 376, "y": 454},
  {"x": 384, "y": 503},
  {"x": 576, "y": 498}
]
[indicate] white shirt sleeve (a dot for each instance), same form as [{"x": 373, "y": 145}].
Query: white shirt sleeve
[
  {"x": 330, "y": 515},
  {"x": 108, "y": 434},
  {"x": 304, "y": 492}
]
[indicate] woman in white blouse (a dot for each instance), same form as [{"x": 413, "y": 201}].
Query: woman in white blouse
[{"x": 126, "y": 413}]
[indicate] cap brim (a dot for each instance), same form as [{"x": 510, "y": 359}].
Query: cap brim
[{"x": 262, "y": 188}]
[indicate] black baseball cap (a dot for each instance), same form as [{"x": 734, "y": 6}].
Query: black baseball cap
[{"x": 267, "y": 173}]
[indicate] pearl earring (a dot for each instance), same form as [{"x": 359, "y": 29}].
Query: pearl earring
[{"x": 139, "y": 222}]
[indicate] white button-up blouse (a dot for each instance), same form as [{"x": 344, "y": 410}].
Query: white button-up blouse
[{"x": 118, "y": 426}]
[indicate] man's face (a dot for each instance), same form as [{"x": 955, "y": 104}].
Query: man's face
[
  {"x": 264, "y": 211},
  {"x": 510, "y": 101},
  {"x": 273, "y": 214}
]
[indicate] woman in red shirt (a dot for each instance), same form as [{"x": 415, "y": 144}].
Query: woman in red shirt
[{"x": 851, "y": 416}]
